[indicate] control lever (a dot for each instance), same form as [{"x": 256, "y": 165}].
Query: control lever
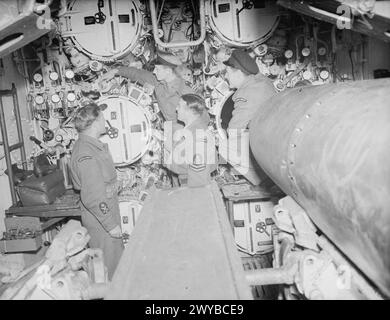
[
  {"x": 100, "y": 17},
  {"x": 111, "y": 131},
  {"x": 246, "y": 4},
  {"x": 39, "y": 142}
]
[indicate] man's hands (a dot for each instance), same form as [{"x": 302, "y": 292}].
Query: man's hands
[
  {"x": 109, "y": 75},
  {"x": 116, "y": 232},
  {"x": 104, "y": 83},
  {"x": 197, "y": 87}
]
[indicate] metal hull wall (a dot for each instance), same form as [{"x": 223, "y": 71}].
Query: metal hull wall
[{"x": 329, "y": 148}]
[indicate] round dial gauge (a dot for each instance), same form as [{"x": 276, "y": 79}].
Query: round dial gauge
[
  {"x": 38, "y": 77},
  {"x": 306, "y": 52},
  {"x": 39, "y": 99},
  {"x": 71, "y": 97},
  {"x": 53, "y": 76},
  {"x": 69, "y": 74},
  {"x": 288, "y": 54},
  {"x": 55, "y": 98}
]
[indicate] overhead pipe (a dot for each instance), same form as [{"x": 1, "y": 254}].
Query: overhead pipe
[
  {"x": 328, "y": 148},
  {"x": 181, "y": 43}
]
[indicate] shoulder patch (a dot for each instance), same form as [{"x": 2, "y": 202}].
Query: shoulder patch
[
  {"x": 197, "y": 167},
  {"x": 84, "y": 158},
  {"x": 240, "y": 100},
  {"x": 104, "y": 207},
  {"x": 198, "y": 164}
]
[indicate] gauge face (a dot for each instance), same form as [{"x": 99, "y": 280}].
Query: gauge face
[
  {"x": 95, "y": 65},
  {"x": 307, "y": 75},
  {"x": 39, "y": 99},
  {"x": 306, "y": 52},
  {"x": 71, "y": 97},
  {"x": 69, "y": 74},
  {"x": 38, "y": 77},
  {"x": 261, "y": 50},
  {"x": 55, "y": 98},
  {"x": 324, "y": 74},
  {"x": 288, "y": 54},
  {"x": 322, "y": 51},
  {"x": 53, "y": 76}
]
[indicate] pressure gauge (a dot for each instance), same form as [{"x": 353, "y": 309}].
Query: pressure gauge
[
  {"x": 37, "y": 77},
  {"x": 288, "y": 54},
  {"x": 306, "y": 52},
  {"x": 324, "y": 74},
  {"x": 53, "y": 76},
  {"x": 55, "y": 98},
  {"x": 71, "y": 97},
  {"x": 261, "y": 50},
  {"x": 321, "y": 51},
  {"x": 307, "y": 75},
  {"x": 69, "y": 74},
  {"x": 39, "y": 99},
  {"x": 95, "y": 65}
]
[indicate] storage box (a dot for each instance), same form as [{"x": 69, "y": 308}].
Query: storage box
[
  {"x": 20, "y": 245},
  {"x": 40, "y": 191},
  {"x": 14, "y": 225},
  {"x": 31, "y": 223}
]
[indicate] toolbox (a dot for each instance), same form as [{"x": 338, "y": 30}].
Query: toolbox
[
  {"x": 21, "y": 245},
  {"x": 23, "y": 234}
]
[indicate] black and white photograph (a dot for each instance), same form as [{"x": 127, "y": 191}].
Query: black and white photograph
[{"x": 197, "y": 155}]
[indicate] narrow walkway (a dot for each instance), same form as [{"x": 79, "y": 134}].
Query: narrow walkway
[{"x": 182, "y": 248}]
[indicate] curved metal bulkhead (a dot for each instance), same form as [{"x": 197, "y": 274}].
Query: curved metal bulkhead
[{"x": 329, "y": 148}]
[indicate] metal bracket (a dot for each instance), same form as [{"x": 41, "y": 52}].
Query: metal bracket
[{"x": 181, "y": 43}]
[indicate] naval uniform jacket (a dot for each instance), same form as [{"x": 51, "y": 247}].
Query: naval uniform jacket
[
  {"x": 248, "y": 99},
  {"x": 93, "y": 173},
  {"x": 167, "y": 94},
  {"x": 196, "y": 169}
]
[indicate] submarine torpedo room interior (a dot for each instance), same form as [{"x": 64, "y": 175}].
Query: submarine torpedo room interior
[{"x": 194, "y": 149}]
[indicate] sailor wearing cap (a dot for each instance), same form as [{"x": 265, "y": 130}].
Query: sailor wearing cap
[
  {"x": 253, "y": 88},
  {"x": 93, "y": 173},
  {"x": 168, "y": 84},
  {"x": 193, "y": 156}
]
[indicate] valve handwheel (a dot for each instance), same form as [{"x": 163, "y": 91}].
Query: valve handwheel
[{"x": 112, "y": 132}]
